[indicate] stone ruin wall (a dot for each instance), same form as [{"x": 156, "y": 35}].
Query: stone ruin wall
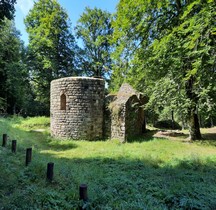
[
  {"x": 124, "y": 115},
  {"x": 134, "y": 117},
  {"x": 126, "y": 120},
  {"x": 79, "y": 110},
  {"x": 118, "y": 124},
  {"x": 77, "y": 105}
]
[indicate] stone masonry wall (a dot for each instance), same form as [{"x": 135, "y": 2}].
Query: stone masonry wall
[
  {"x": 134, "y": 118},
  {"x": 118, "y": 123},
  {"x": 124, "y": 115},
  {"x": 82, "y": 115}
]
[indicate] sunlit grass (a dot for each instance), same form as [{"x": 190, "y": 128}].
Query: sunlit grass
[
  {"x": 165, "y": 151},
  {"x": 31, "y": 123}
]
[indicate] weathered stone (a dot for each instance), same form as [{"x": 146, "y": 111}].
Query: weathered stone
[
  {"x": 124, "y": 117},
  {"x": 81, "y": 117},
  {"x": 79, "y": 110}
]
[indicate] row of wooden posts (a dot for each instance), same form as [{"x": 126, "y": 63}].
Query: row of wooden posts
[{"x": 50, "y": 166}]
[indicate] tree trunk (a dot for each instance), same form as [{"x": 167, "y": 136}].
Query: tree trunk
[
  {"x": 178, "y": 5},
  {"x": 193, "y": 120},
  {"x": 144, "y": 125},
  {"x": 172, "y": 117},
  {"x": 194, "y": 127},
  {"x": 183, "y": 122},
  {"x": 212, "y": 123},
  {"x": 200, "y": 120}
]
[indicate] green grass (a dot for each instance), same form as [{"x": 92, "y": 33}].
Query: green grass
[
  {"x": 149, "y": 173},
  {"x": 31, "y": 123}
]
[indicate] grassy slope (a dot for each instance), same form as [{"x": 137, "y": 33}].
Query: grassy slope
[{"x": 153, "y": 174}]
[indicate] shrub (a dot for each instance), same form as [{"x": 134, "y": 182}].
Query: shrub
[{"x": 167, "y": 124}]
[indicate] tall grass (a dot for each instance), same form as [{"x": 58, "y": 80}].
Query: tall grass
[
  {"x": 148, "y": 174},
  {"x": 32, "y": 122}
]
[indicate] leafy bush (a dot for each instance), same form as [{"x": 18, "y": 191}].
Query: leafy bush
[{"x": 167, "y": 124}]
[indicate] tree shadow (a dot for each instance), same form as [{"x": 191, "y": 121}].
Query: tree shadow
[
  {"x": 171, "y": 134},
  {"x": 61, "y": 145},
  {"x": 151, "y": 135},
  {"x": 38, "y": 139},
  {"x": 208, "y": 139},
  {"x": 209, "y": 136},
  {"x": 147, "y": 136},
  {"x": 53, "y": 143},
  {"x": 122, "y": 183},
  {"x": 113, "y": 183}
]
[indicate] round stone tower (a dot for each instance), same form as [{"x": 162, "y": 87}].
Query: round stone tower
[{"x": 76, "y": 108}]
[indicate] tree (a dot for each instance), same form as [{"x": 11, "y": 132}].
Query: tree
[
  {"x": 13, "y": 73},
  {"x": 171, "y": 48},
  {"x": 94, "y": 29},
  {"x": 7, "y": 9},
  {"x": 51, "y": 50}
]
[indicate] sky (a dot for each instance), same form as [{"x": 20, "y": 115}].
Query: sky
[{"x": 74, "y": 9}]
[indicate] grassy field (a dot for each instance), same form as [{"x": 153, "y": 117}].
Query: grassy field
[{"x": 150, "y": 173}]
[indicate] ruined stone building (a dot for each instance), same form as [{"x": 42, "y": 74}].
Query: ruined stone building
[
  {"x": 80, "y": 110},
  {"x": 76, "y": 107},
  {"x": 124, "y": 115}
]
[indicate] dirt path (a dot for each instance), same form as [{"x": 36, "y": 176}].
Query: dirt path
[{"x": 207, "y": 133}]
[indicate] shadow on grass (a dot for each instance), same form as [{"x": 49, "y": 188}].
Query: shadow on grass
[
  {"x": 38, "y": 139},
  {"x": 147, "y": 136},
  {"x": 151, "y": 135},
  {"x": 139, "y": 184},
  {"x": 61, "y": 145},
  {"x": 208, "y": 139},
  {"x": 46, "y": 142},
  {"x": 209, "y": 136},
  {"x": 123, "y": 183},
  {"x": 113, "y": 183}
]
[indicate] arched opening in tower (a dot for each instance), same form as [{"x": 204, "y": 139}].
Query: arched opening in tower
[{"x": 63, "y": 102}]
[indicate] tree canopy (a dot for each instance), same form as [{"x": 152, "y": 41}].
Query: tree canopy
[
  {"x": 51, "y": 50},
  {"x": 13, "y": 73},
  {"x": 165, "y": 49},
  {"x": 95, "y": 30},
  {"x": 7, "y": 9},
  {"x": 169, "y": 47}
]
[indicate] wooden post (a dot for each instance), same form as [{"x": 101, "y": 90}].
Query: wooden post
[
  {"x": 28, "y": 155},
  {"x": 83, "y": 192},
  {"x": 4, "y": 142},
  {"x": 13, "y": 146},
  {"x": 50, "y": 167}
]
